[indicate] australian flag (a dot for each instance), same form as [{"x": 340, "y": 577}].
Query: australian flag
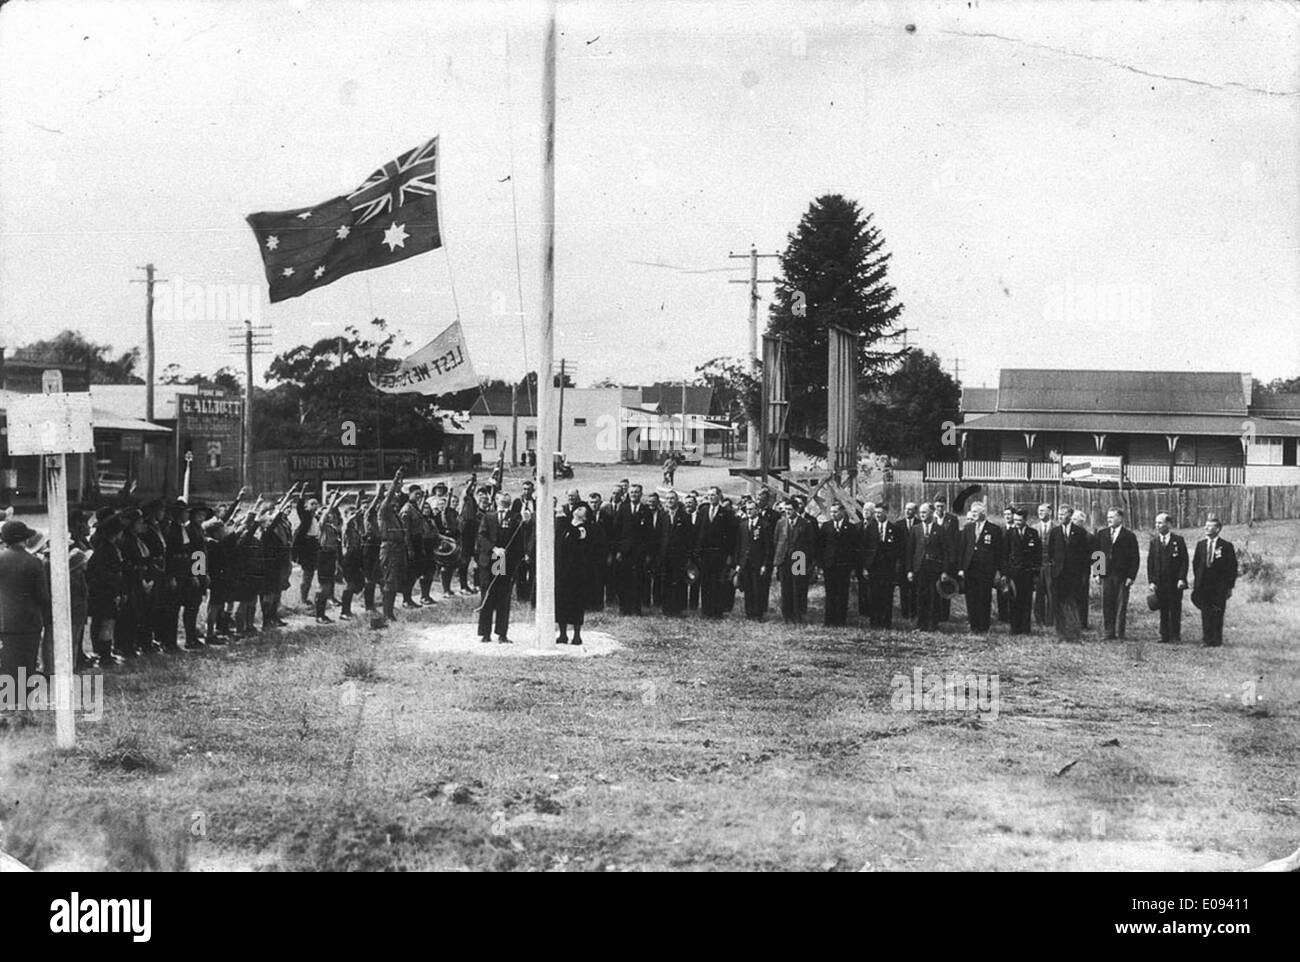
[{"x": 390, "y": 217}]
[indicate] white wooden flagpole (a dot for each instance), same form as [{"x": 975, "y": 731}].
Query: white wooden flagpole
[{"x": 544, "y": 521}]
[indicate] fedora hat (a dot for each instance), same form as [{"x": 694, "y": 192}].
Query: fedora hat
[{"x": 1153, "y": 600}]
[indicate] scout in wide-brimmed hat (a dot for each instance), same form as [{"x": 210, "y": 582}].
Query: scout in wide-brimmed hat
[{"x": 12, "y": 532}]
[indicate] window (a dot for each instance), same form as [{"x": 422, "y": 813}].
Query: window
[
  {"x": 1264, "y": 451},
  {"x": 579, "y": 422},
  {"x": 489, "y": 439},
  {"x": 530, "y": 439}
]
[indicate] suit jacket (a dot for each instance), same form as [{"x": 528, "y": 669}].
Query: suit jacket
[
  {"x": 1071, "y": 557},
  {"x": 1214, "y": 581},
  {"x": 652, "y": 524},
  {"x": 1121, "y": 553},
  {"x": 492, "y": 533},
  {"x": 676, "y": 537},
  {"x": 714, "y": 538},
  {"x": 794, "y": 536},
  {"x": 1022, "y": 551},
  {"x": 24, "y": 592},
  {"x": 754, "y": 544},
  {"x": 933, "y": 550},
  {"x": 952, "y": 531},
  {"x": 1167, "y": 563},
  {"x": 880, "y": 555},
  {"x": 629, "y": 528},
  {"x": 982, "y": 557},
  {"x": 840, "y": 549}
]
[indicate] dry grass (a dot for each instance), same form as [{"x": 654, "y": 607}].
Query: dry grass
[{"x": 700, "y": 746}]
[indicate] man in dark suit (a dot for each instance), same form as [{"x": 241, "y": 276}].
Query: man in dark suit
[
  {"x": 769, "y": 516},
  {"x": 498, "y": 551},
  {"x": 713, "y": 544},
  {"x": 677, "y": 541},
  {"x": 929, "y": 557},
  {"x": 881, "y": 549},
  {"x": 1004, "y": 597},
  {"x": 629, "y": 550},
  {"x": 1023, "y": 562},
  {"x": 1084, "y": 595},
  {"x": 839, "y": 556},
  {"x": 979, "y": 564},
  {"x": 597, "y": 556},
  {"x": 1043, "y": 583},
  {"x": 753, "y": 557},
  {"x": 1214, "y": 568},
  {"x": 609, "y": 517},
  {"x": 691, "y": 504},
  {"x": 652, "y": 536},
  {"x": 24, "y": 604},
  {"x": 906, "y": 589},
  {"x": 1167, "y": 562},
  {"x": 950, "y": 527},
  {"x": 794, "y": 555},
  {"x": 1120, "y": 561},
  {"x": 1071, "y": 557}
]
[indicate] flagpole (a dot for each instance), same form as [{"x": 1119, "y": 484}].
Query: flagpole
[{"x": 546, "y": 429}]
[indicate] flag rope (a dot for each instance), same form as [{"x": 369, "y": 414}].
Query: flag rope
[{"x": 514, "y": 213}]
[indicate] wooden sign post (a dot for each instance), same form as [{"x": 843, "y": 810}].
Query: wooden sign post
[{"x": 52, "y": 425}]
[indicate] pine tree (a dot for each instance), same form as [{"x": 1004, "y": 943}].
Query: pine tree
[{"x": 834, "y": 275}]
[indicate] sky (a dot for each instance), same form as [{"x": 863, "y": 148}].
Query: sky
[{"x": 1089, "y": 185}]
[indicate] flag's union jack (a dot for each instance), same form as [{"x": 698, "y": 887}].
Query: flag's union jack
[{"x": 414, "y": 174}]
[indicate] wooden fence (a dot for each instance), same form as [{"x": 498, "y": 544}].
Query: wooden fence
[{"x": 1188, "y": 507}]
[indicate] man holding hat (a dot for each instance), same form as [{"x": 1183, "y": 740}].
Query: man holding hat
[{"x": 24, "y": 601}]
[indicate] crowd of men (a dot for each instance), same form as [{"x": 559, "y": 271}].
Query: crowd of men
[{"x": 141, "y": 575}]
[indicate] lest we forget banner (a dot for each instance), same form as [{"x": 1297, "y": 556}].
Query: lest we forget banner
[{"x": 440, "y": 367}]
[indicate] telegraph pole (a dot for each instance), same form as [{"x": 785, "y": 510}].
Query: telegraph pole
[
  {"x": 249, "y": 340},
  {"x": 751, "y": 435},
  {"x": 148, "y": 283},
  {"x": 559, "y": 432}
]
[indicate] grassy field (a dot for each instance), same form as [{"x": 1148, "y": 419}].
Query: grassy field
[{"x": 695, "y": 746}]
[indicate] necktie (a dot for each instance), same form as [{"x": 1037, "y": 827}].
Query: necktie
[{"x": 1209, "y": 553}]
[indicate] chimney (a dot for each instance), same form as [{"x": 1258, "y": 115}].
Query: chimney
[{"x": 1247, "y": 387}]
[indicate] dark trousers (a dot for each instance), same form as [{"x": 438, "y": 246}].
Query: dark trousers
[
  {"x": 906, "y": 598},
  {"x": 1021, "y": 607},
  {"x": 1066, "y": 605},
  {"x": 929, "y": 605},
  {"x": 693, "y": 596},
  {"x": 308, "y": 572},
  {"x": 495, "y": 609},
  {"x": 979, "y": 602},
  {"x": 1171, "y": 615},
  {"x": 165, "y": 628},
  {"x": 674, "y": 587},
  {"x": 794, "y": 595},
  {"x": 101, "y": 636},
  {"x": 713, "y": 593},
  {"x": 1212, "y": 623},
  {"x": 837, "y": 595},
  {"x": 1004, "y": 606},
  {"x": 1114, "y": 605},
  {"x": 629, "y": 584},
  {"x": 751, "y": 583},
  {"x": 1043, "y": 597},
  {"x": 880, "y": 599},
  {"x": 1083, "y": 600},
  {"x": 524, "y": 586}
]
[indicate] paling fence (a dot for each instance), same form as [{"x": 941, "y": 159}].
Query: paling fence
[{"x": 1187, "y": 506}]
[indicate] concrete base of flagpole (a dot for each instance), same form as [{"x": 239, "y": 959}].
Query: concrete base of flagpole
[{"x": 463, "y": 639}]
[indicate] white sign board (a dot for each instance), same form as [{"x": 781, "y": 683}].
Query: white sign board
[
  {"x": 50, "y": 424},
  {"x": 1101, "y": 468}
]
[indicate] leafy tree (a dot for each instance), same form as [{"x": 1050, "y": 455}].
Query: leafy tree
[
  {"x": 1280, "y": 385},
  {"x": 227, "y": 379},
  {"x": 322, "y": 388},
  {"x": 736, "y": 388},
  {"x": 72, "y": 349},
  {"x": 903, "y": 415},
  {"x": 834, "y": 274}
]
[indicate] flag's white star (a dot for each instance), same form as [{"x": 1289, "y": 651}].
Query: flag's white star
[
  {"x": 318, "y": 272},
  {"x": 272, "y": 242},
  {"x": 288, "y": 272},
  {"x": 342, "y": 232},
  {"x": 395, "y": 236},
  {"x": 304, "y": 215}
]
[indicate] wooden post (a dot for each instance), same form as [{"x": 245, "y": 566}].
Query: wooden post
[
  {"x": 544, "y": 520},
  {"x": 65, "y": 731}
]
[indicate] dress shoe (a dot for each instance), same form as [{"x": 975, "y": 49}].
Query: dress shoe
[
  {"x": 502, "y": 639},
  {"x": 485, "y": 640},
  {"x": 345, "y": 616},
  {"x": 577, "y": 640},
  {"x": 410, "y": 604},
  {"x": 562, "y": 640},
  {"x": 324, "y": 620}
]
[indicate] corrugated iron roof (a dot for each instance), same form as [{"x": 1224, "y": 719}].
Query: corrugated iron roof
[
  {"x": 1123, "y": 392},
  {"x": 979, "y": 400},
  {"x": 1275, "y": 405},
  {"x": 1109, "y": 423}
]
